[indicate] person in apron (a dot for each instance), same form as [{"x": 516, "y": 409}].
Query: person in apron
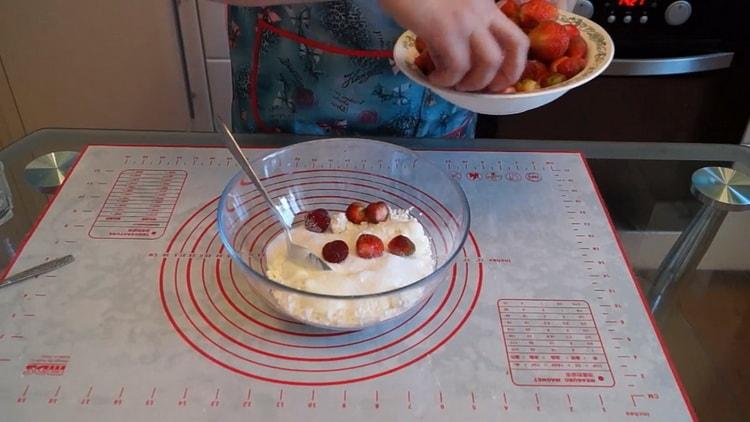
[{"x": 326, "y": 68}]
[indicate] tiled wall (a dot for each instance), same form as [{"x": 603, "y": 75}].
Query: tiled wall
[{"x": 216, "y": 47}]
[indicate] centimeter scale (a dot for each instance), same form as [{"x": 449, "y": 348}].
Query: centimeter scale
[{"x": 540, "y": 320}]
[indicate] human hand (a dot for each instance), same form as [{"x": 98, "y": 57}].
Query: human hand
[{"x": 473, "y": 45}]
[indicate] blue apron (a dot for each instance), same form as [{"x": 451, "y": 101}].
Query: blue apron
[{"x": 327, "y": 69}]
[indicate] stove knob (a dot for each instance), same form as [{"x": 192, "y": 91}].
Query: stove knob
[
  {"x": 678, "y": 13},
  {"x": 627, "y": 19},
  {"x": 584, "y": 8}
]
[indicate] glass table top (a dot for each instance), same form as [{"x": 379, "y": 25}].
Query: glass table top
[{"x": 646, "y": 188}]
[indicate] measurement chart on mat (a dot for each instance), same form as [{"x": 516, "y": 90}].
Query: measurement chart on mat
[{"x": 540, "y": 318}]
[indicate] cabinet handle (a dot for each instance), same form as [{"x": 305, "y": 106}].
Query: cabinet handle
[
  {"x": 669, "y": 66},
  {"x": 183, "y": 59}
]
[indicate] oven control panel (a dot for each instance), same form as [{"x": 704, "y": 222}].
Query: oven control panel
[{"x": 625, "y": 13}]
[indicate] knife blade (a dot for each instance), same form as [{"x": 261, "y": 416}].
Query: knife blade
[{"x": 37, "y": 270}]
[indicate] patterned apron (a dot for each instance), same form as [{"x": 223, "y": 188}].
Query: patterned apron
[{"x": 327, "y": 69}]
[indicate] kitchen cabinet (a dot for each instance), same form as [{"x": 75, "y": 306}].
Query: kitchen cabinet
[
  {"x": 213, "y": 18},
  {"x": 94, "y": 64},
  {"x": 10, "y": 122}
]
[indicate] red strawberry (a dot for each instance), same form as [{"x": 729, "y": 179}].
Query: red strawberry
[
  {"x": 549, "y": 41},
  {"x": 369, "y": 246},
  {"x": 335, "y": 251},
  {"x": 526, "y": 85},
  {"x": 572, "y": 30},
  {"x": 555, "y": 63},
  {"x": 553, "y": 79},
  {"x": 377, "y": 212},
  {"x": 420, "y": 45},
  {"x": 424, "y": 62},
  {"x": 356, "y": 212},
  {"x": 570, "y": 66},
  {"x": 510, "y": 9},
  {"x": 401, "y": 246},
  {"x": 317, "y": 220},
  {"x": 577, "y": 47},
  {"x": 534, "y": 12},
  {"x": 535, "y": 70}
]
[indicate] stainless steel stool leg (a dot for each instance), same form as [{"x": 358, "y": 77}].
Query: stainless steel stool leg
[{"x": 721, "y": 190}]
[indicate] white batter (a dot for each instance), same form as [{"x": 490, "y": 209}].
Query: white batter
[{"x": 353, "y": 276}]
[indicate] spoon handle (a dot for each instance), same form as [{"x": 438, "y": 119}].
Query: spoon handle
[{"x": 234, "y": 148}]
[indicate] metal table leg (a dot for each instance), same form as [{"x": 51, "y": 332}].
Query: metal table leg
[
  {"x": 47, "y": 173},
  {"x": 722, "y": 190}
]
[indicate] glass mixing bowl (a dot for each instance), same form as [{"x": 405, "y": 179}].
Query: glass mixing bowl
[{"x": 331, "y": 174}]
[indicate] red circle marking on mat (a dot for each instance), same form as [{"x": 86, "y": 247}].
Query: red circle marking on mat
[
  {"x": 220, "y": 284},
  {"x": 214, "y": 360},
  {"x": 323, "y": 370},
  {"x": 292, "y": 382}
]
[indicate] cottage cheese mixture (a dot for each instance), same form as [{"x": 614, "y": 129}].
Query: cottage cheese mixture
[{"x": 353, "y": 276}]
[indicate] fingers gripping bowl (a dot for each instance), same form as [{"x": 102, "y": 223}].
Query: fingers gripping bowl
[
  {"x": 331, "y": 174},
  {"x": 600, "y": 53}
]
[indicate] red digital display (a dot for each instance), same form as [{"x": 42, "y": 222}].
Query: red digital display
[{"x": 631, "y": 3}]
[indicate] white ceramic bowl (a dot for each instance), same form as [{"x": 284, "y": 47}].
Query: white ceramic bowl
[{"x": 601, "y": 50}]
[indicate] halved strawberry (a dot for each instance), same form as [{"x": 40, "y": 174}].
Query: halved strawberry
[
  {"x": 317, "y": 221},
  {"x": 571, "y": 66},
  {"x": 424, "y": 62},
  {"x": 577, "y": 47},
  {"x": 355, "y": 212},
  {"x": 420, "y": 45},
  {"x": 335, "y": 251},
  {"x": 377, "y": 212},
  {"x": 401, "y": 246},
  {"x": 572, "y": 30},
  {"x": 535, "y": 70},
  {"x": 553, "y": 66},
  {"x": 369, "y": 246},
  {"x": 548, "y": 41},
  {"x": 510, "y": 9},
  {"x": 534, "y": 12}
]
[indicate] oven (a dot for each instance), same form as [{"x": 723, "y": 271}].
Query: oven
[{"x": 681, "y": 73}]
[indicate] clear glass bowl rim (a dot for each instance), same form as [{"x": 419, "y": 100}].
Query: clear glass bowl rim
[{"x": 465, "y": 223}]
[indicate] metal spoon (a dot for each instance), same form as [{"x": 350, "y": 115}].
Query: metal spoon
[{"x": 295, "y": 253}]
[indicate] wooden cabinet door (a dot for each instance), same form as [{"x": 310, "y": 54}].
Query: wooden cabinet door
[{"x": 102, "y": 64}]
